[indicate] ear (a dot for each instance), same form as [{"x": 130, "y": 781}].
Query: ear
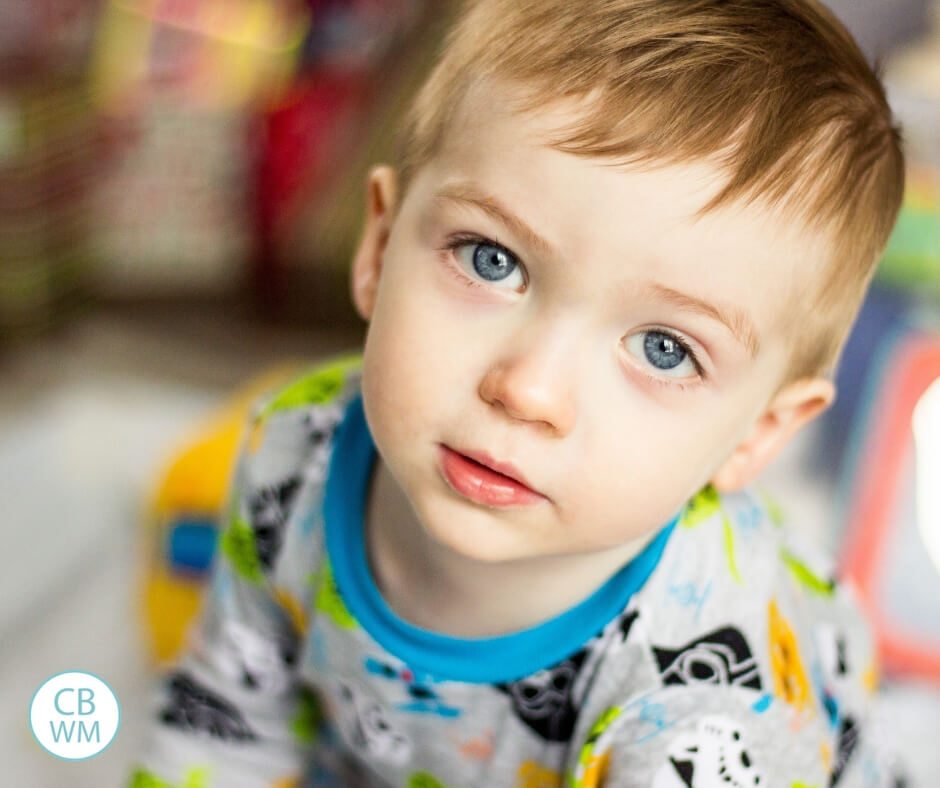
[
  {"x": 796, "y": 404},
  {"x": 381, "y": 204}
]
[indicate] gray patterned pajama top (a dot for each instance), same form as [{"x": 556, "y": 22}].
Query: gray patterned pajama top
[{"x": 720, "y": 657}]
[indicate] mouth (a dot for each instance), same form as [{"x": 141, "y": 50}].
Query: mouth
[{"x": 477, "y": 476}]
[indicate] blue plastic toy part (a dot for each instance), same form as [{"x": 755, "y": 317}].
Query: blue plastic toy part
[{"x": 190, "y": 545}]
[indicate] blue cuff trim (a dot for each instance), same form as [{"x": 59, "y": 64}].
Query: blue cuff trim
[{"x": 476, "y": 660}]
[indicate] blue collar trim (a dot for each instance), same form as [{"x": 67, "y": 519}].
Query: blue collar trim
[{"x": 489, "y": 660}]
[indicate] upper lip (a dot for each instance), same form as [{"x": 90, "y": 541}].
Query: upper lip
[{"x": 505, "y": 468}]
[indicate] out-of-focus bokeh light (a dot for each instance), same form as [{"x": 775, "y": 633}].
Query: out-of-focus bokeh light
[
  {"x": 167, "y": 149},
  {"x": 926, "y": 425},
  {"x": 216, "y": 53}
]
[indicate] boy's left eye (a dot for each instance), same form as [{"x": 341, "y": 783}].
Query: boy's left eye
[
  {"x": 665, "y": 352},
  {"x": 491, "y": 263}
]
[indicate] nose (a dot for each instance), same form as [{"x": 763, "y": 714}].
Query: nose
[{"x": 533, "y": 382}]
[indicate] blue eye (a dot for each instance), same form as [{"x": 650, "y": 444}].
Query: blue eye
[
  {"x": 664, "y": 352},
  {"x": 491, "y": 263}
]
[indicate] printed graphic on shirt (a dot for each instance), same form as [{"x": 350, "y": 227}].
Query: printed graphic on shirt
[
  {"x": 830, "y": 705},
  {"x": 713, "y": 755},
  {"x": 833, "y": 650},
  {"x": 328, "y": 599},
  {"x": 594, "y": 758},
  {"x": 425, "y": 780},
  {"x": 790, "y": 681},
  {"x": 318, "y": 387},
  {"x": 320, "y": 424},
  {"x": 772, "y": 507},
  {"x": 255, "y": 661},
  {"x": 291, "y": 605},
  {"x": 705, "y": 504},
  {"x": 549, "y": 700},
  {"x": 720, "y": 657},
  {"x": 544, "y": 700},
  {"x": 870, "y": 678},
  {"x": 368, "y": 726},
  {"x": 422, "y": 698},
  {"x": 611, "y": 638},
  {"x": 332, "y": 765},
  {"x": 475, "y": 748},
  {"x": 831, "y": 671},
  {"x": 729, "y": 549},
  {"x": 848, "y": 741},
  {"x": 534, "y": 775},
  {"x": 197, "y": 777},
  {"x": 806, "y": 577},
  {"x": 307, "y": 718},
  {"x": 238, "y": 545},
  {"x": 268, "y": 507},
  {"x": 194, "y": 707}
]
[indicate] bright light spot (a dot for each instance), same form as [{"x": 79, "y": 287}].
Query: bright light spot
[{"x": 926, "y": 424}]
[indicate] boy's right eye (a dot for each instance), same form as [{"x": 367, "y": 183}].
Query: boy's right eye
[{"x": 486, "y": 261}]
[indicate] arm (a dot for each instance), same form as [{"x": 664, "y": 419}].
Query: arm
[{"x": 232, "y": 711}]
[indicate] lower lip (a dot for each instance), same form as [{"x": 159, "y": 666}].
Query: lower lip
[{"x": 482, "y": 485}]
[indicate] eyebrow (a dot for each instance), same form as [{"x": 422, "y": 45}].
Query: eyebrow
[
  {"x": 466, "y": 193},
  {"x": 736, "y": 320}
]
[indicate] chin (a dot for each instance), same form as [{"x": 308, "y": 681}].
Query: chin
[{"x": 478, "y": 541}]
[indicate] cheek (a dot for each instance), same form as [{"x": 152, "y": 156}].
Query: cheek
[
  {"x": 649, "y": 463},
  {"x": 391, "y": 389},
  {"x": 407, "y": 358}
]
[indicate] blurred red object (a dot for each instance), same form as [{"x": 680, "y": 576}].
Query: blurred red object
[
  {"x": 360, "y": 63},
  {"x": 307, "y": 139}
]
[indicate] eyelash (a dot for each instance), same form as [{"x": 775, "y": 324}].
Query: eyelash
[{"x": 461, "y": 239}]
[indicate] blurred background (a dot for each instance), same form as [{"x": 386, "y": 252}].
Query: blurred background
[{"x": 180, "y": 191}]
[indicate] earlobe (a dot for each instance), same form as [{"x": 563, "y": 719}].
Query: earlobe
[
  {"x": 791, "y": 408},
  {"x": 381, "y": 205}
]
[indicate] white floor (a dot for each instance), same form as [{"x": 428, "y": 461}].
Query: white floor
[{"x": 75, "y": 467}]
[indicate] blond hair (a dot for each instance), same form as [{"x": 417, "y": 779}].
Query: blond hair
[{"x": 776, "y": 90}]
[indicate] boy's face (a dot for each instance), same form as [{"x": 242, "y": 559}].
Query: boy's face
[{"x": 570, "y": 318}]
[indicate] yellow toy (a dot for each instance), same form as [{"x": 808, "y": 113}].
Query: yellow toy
[{"x": 182, "y": 518}]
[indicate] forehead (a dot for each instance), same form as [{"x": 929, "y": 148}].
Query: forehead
[{"x": 624, "y": 224}]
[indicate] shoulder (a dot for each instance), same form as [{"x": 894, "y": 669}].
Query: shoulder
[
  {"x": 724, "y": 548},
  {"x": 269, "y": 536},
  {"x": 737, "y": 580},
  {"x": 315, "y": 394},
  {"x": 752, "y": 644},
  {"x": 707, "y": 615},
  {"x": 291, "y": 428},
  {"x": 745, "y": 542}
]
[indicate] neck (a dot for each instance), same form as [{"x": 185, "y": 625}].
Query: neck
[{"x": 433, "y": 587}]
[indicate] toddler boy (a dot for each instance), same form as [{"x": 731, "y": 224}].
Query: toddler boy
[{"x": 514, "y": 543}]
